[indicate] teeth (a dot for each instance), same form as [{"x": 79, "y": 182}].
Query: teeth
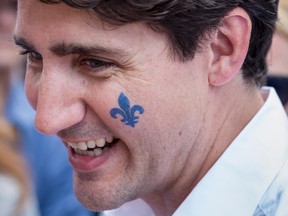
[
  {"x": 100, "y": 142},
  {"x": 81, "y": 152},
  {"x": 97, "y": 151},
  {"x": 90, "y": 153},
  {"x": 91, "y": 147},
  {"x": 73, "y": 145},
  {"x": 91, "y": 144},
  {"x": 82, "y": 145},
  {"x": 109, "y": 139}
]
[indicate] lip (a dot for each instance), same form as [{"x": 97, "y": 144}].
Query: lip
[{"x": 87, "y": 164}]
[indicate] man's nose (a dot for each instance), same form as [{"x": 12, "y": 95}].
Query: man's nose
[{"x": 58, "y": 103}]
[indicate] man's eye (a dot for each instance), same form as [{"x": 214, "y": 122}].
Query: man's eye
[
  {"x": 95, "y": 64},
  {"x": 32, "y": 56}
]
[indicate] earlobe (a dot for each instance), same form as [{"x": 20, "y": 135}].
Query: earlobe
[{"x": 229, "y": 45}]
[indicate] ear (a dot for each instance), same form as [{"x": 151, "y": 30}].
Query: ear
[{"x": 229, "y": 46}]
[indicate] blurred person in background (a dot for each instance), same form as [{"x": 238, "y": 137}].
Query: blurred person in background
[
  {"x": 278, "y": 56},
  {"x": 47, "y": 160},
  {"x": 16, "y": 196}
]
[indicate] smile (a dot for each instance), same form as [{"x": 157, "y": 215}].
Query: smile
[{"x": 93, "y": 148}]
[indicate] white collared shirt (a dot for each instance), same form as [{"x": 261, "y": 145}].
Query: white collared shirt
[{"x": 249, "y": 179}]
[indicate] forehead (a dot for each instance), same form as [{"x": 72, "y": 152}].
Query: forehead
[
  {"x": 34, "y": 15},
  {"x": 41, "y": 24}
]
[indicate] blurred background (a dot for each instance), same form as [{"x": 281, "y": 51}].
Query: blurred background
[{"x": 278, "y": 56}]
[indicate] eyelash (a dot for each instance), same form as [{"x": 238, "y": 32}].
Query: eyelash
[
  {"x": 95, "y": 64},
  {"x": 31, "y": 55},
  {"x": 90, "y": 64}
]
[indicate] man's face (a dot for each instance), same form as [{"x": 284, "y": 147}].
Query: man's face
[{"x": 85, "y": 76}]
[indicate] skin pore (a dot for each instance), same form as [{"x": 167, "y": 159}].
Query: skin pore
[{"x": 78, "y": 67}]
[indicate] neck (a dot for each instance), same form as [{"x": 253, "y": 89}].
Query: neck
[
  {"x": 229, "y": 110},
  {"x": 237, "y": 109}
]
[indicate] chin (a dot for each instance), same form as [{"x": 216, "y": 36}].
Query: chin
[
  {"x": 96, "y": 200},
  {"x": 98, "y": 197}
]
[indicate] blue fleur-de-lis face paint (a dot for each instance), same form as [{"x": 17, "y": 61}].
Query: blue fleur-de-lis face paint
[{"x": 128, "y": 113}]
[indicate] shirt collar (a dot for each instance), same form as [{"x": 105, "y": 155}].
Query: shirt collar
[{"x": 240, "y": 177}]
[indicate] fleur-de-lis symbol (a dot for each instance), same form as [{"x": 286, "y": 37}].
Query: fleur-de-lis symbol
[{"x": 128, "y": 114}]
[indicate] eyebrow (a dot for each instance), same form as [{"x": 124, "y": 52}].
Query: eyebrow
[
  {"x": 63, "y": 49},
  {"x": 19, "y": 41}
]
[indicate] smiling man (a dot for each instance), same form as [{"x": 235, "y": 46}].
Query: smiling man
[{"x": 160, "y": 100}]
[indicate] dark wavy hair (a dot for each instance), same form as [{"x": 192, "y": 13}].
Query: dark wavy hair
[{"x": 185, "y": 22}]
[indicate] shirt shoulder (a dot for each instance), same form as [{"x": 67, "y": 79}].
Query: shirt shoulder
[{"x": 274, "y": 202}]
